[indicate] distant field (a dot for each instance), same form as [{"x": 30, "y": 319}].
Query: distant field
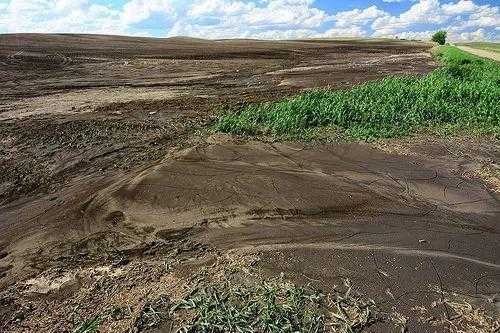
[{"x": 495, "y": 47}]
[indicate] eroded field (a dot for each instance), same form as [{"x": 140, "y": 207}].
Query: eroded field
[{"x": 118, "y": 200}]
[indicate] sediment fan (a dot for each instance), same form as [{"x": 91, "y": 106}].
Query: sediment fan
[{"x": 22, "y": 59}]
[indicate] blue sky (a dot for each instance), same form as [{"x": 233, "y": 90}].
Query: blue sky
[{"x": 269, "y": 19}]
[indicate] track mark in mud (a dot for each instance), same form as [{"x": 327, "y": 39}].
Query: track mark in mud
[
  {"x": 115, "y": 218},
  {"x": 3, "y": 252},
  {"x": 174, "y": 234},
  {"x": 4, "y": 270},
  {"x": 369, "y": 247},
  {"x": 257, "y": 214}
]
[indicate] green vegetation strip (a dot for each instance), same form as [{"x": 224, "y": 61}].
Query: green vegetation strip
[
  {"x": 463, "y": 94},
  {"x": 275, "y": 306}
]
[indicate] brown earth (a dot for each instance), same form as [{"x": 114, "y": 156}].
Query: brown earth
[{"x": 116, "y": 195}]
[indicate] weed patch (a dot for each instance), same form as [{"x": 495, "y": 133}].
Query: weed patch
[
  {"x": 153, "y": 315},
  {"x": 462, "y": 94},
  {"x": 275, "y": 306},
  {"x": 91, "y": 325}
]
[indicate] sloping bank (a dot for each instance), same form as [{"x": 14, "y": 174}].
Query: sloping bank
[{"x": 463, "y": 94}]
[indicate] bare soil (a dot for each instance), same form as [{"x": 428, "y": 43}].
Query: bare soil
[{"x": 115, "y": 194}]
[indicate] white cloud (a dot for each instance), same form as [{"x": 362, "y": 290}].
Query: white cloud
[
  {"x": 353, "y": 31},
  {"x": 461, "y": 15},
  {"x": 459, "y": 8},
  {"x": 59, "y": 16},
  {"x": 221, "y": 7},
  {"x": 66, "y": 5},
  {"x": 478, "y": 35},
  {"x": 270, "y": 19},
  {"x": 285, "y": 34},
  {"x": 358, "y": 16},
  {"x": 419, "y": 35},
  {"x": 422, "y": 12},
  {"x": 297, "y": 13},
  {"x": 249, "y": 18},
  {"x": 136, "y": 11},
  {"x": 485, "y": 16}
]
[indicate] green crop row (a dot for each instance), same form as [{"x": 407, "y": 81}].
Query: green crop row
[{"x": 464, "y": 93}]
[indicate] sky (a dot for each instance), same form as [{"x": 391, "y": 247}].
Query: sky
[{"x": 265, "y": 19}]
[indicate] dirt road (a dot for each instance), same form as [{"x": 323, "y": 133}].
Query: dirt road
[
  {"x": 115, "y": 191},
  {"x": 481, "y": 53}
]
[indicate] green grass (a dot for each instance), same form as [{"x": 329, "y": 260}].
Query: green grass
[
  {"x": 495, "y": 47},
  {"x": 275, "y": 306},
  {"x": 91, "y": 325},
  {"x": 463, "y": 94}
]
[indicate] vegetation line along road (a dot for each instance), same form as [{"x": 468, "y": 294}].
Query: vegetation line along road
[
  {"x": 462, "y": 94},
  {"x": 494, "y": 47},
  {"x": 494, "y": 55}
]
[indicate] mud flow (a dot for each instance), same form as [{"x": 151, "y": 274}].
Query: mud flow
[{"x": 118, "y": 199}]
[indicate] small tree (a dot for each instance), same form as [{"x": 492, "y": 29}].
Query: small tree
[{"x": 439, "y": 37}]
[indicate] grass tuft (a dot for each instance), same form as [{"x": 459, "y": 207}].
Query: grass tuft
[
  {"x": 91, "y": 325},
  {"x": 274, "y": 306},
  {"x": 153, "y": 314},
  {"x": 462, "y": 94}
]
